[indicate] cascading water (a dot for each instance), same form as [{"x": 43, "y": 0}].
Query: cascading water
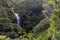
[{"x": 17, "y": 16}]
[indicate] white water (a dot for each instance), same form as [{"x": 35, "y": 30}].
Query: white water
[{"x": 17, "y": 16}]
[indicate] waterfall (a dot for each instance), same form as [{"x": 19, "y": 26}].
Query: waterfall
[{"x": 17, "y": 16}]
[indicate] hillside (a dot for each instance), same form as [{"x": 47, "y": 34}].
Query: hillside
[{"x": 29, "y": 20}]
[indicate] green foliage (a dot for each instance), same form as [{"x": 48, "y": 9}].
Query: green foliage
[
  {"x": 53, "y": 32},
  {"x": 35, "y": 24},
  {"x": 2, "y": 37}
]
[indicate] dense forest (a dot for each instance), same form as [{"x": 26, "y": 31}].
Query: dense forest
[{"x": 29, "y": 19}]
